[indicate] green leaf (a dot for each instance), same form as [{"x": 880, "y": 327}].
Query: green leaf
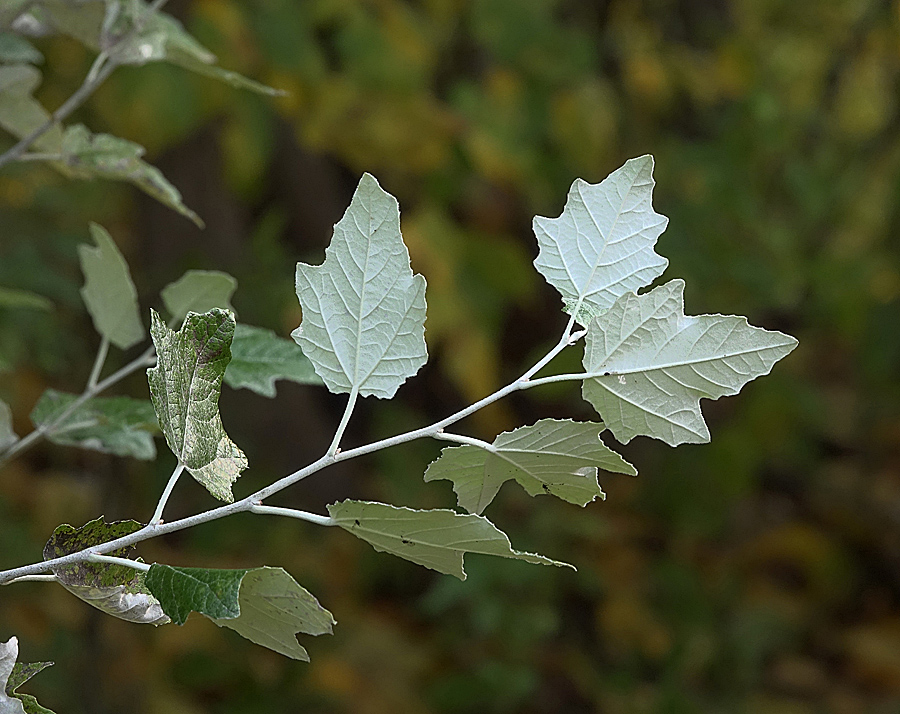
[
  {"x": 160, "y": 38},
  {"x": 184, "y": 387},
  {"x": 264, "y": 605},
  {"x": 198, "y": 291},
  {"x": 14, "y": 299},
  {"x": 437, "y": 538},
  {"x": 259, "y": 357},
  {"x": 651, "y": 364},
  {"x": 89, "y": 156},
  {"x": 109, "y": 292},
  {"x": 15, "y": 49},
  {"x": 363, "y": 309},
  {"x": 20, "y": 112},
  {"x": 113, "y": 425},
  {"x": 7, "y": 435},
  {"x": 12, "y": 676},
  {"x": 117, "y": 590},
  {"x": 601, "y": 246},
  {"x": 555, "y": 457}
]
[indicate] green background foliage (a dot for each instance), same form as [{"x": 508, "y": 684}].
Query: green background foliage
[{"x": 753, "y": 574}]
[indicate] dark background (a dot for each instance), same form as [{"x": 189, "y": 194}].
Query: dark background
[{"x": 758, "y": 573}]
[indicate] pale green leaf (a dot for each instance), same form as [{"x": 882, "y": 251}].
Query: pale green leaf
[
  {"x": 259, "y": 357},
  {"x": 20, "y": 112},
  {"x": 12, "y": 676},
  {"x": 184, "y": 387},
  {"x": 90, "y": 156},
  {"x": 264, "y": 605},
  {"x": 14, "y": 298},
  {"x": 108, "y": 292},
  {"x": 114, "y": 425},
  {"x": 363, "y": 309},
  {"x": 601, "y": 246},
  {"x": 437, "y": 539},
  {"x": 16, "y": 49},
  {"x": 651, "y": 364},
  {"x": 7, "y": 435},
  {"x": 115, "y": 589},
  {"x": 198, "y": 291},
  {"x": 556, "y": 457}
]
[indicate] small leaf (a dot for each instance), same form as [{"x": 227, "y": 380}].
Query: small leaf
[
  {"x": 363, "y": 309},
  {"x": 437, "y": 538},
  {"x": 20, "y": 112},
  {"x": 14, "y": 299},
  {"x": 109, "y": 292},
  {"x": 16, "y": 49},
  {"x": 601, "y": 246},
  {"x": 89, "y": 156},
  {"x": 264, "y": 605},
  {"x": 650, "y": 364},
  {"x": 555, "y": 457},
  {"x": 116, "y": 590},
  {"x": 113, "y": 425},
  {"x": 198, "y": 291},
  {"x": 12, "y": 676},
  {"x": 259, "y": 357},
  {"x": 7, "y": 435},
  {"x": 184, "y": 387}
]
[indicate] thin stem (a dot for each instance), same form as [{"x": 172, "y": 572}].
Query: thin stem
[
  {"x": 113, "y": 560},
  {"x": 32, "y": 578},
  {"x": 345, "y": 419},
  {"x": 561, "y": 378},
  {"x": 460, "y": 439},
  {"x": 160, "y": 507},
  {"x": 146, "y": 359},
  {"x": 98, "y": 363},
  {"x": 293, "y": 513}
]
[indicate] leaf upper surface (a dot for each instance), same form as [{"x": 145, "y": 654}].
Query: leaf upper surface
[
  {"x": 114, "y": 425},
  {"x": 109, "y": 292},
  {"x": 437, "y": 539},
  {"x": 116, "y": 590},
  {"x": 651, "y": 364},
  {"x": 259, "y": 357},
  {"x": 556, "y": 457},
  {"x": 185, "y": 386},
  {"x": 601, "y": 246},
  {"x": 198, "y": 291},
  {"x": 264, "y": 605},
  {"x": 363, "y": 309}
]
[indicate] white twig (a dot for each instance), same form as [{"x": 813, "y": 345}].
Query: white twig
[
  {"x": 98, "y": 363},
  {"x": 460, "y": 439},
  {"x": 293, "y": 513},
  {"x": 345, "y": 419},
  {"x": 113, "y": 560},
  {"x": 32, "y": 578}
]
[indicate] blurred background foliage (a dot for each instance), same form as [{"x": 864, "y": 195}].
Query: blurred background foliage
[{"x": 759, "y": 573}]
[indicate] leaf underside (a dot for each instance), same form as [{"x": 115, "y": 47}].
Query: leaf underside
[
  {"x": 259, "y": 357},
  {"x": 555, "y": 457},
  {"x": 651, "y": 364},
  {"x": 363, "y": 322},
  {"x": 184, "y": 388},
  {"x": 601, "y": 247},
  {"x": 437, "y": 539}
]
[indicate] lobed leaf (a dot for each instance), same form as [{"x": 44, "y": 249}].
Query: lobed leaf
[
  {"x": 437, "y": 539},
  {"x": 650, "y": 364},
  {"x": 198, "y": 291},
  {"x": 116, "y": 590},
  {"x": 601, "y": 247},
  {"x": 12, "y": 676},
  {"x": 556, "y": 457},
  {"x": 184, "y": 388},
  {"x": 113, "y": 425},
  {"x": 259, "y": 357},
  {"x": 88, "y": 156},
  {"x": 109, "y": 292},
  {"x": 264, "y": 605},
  {"x": 363, "y": 322}
]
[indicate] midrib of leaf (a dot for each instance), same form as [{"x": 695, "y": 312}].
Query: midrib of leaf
[
  {"x": 362, "y": 299},
  {"x": 645, "y": 408}
]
